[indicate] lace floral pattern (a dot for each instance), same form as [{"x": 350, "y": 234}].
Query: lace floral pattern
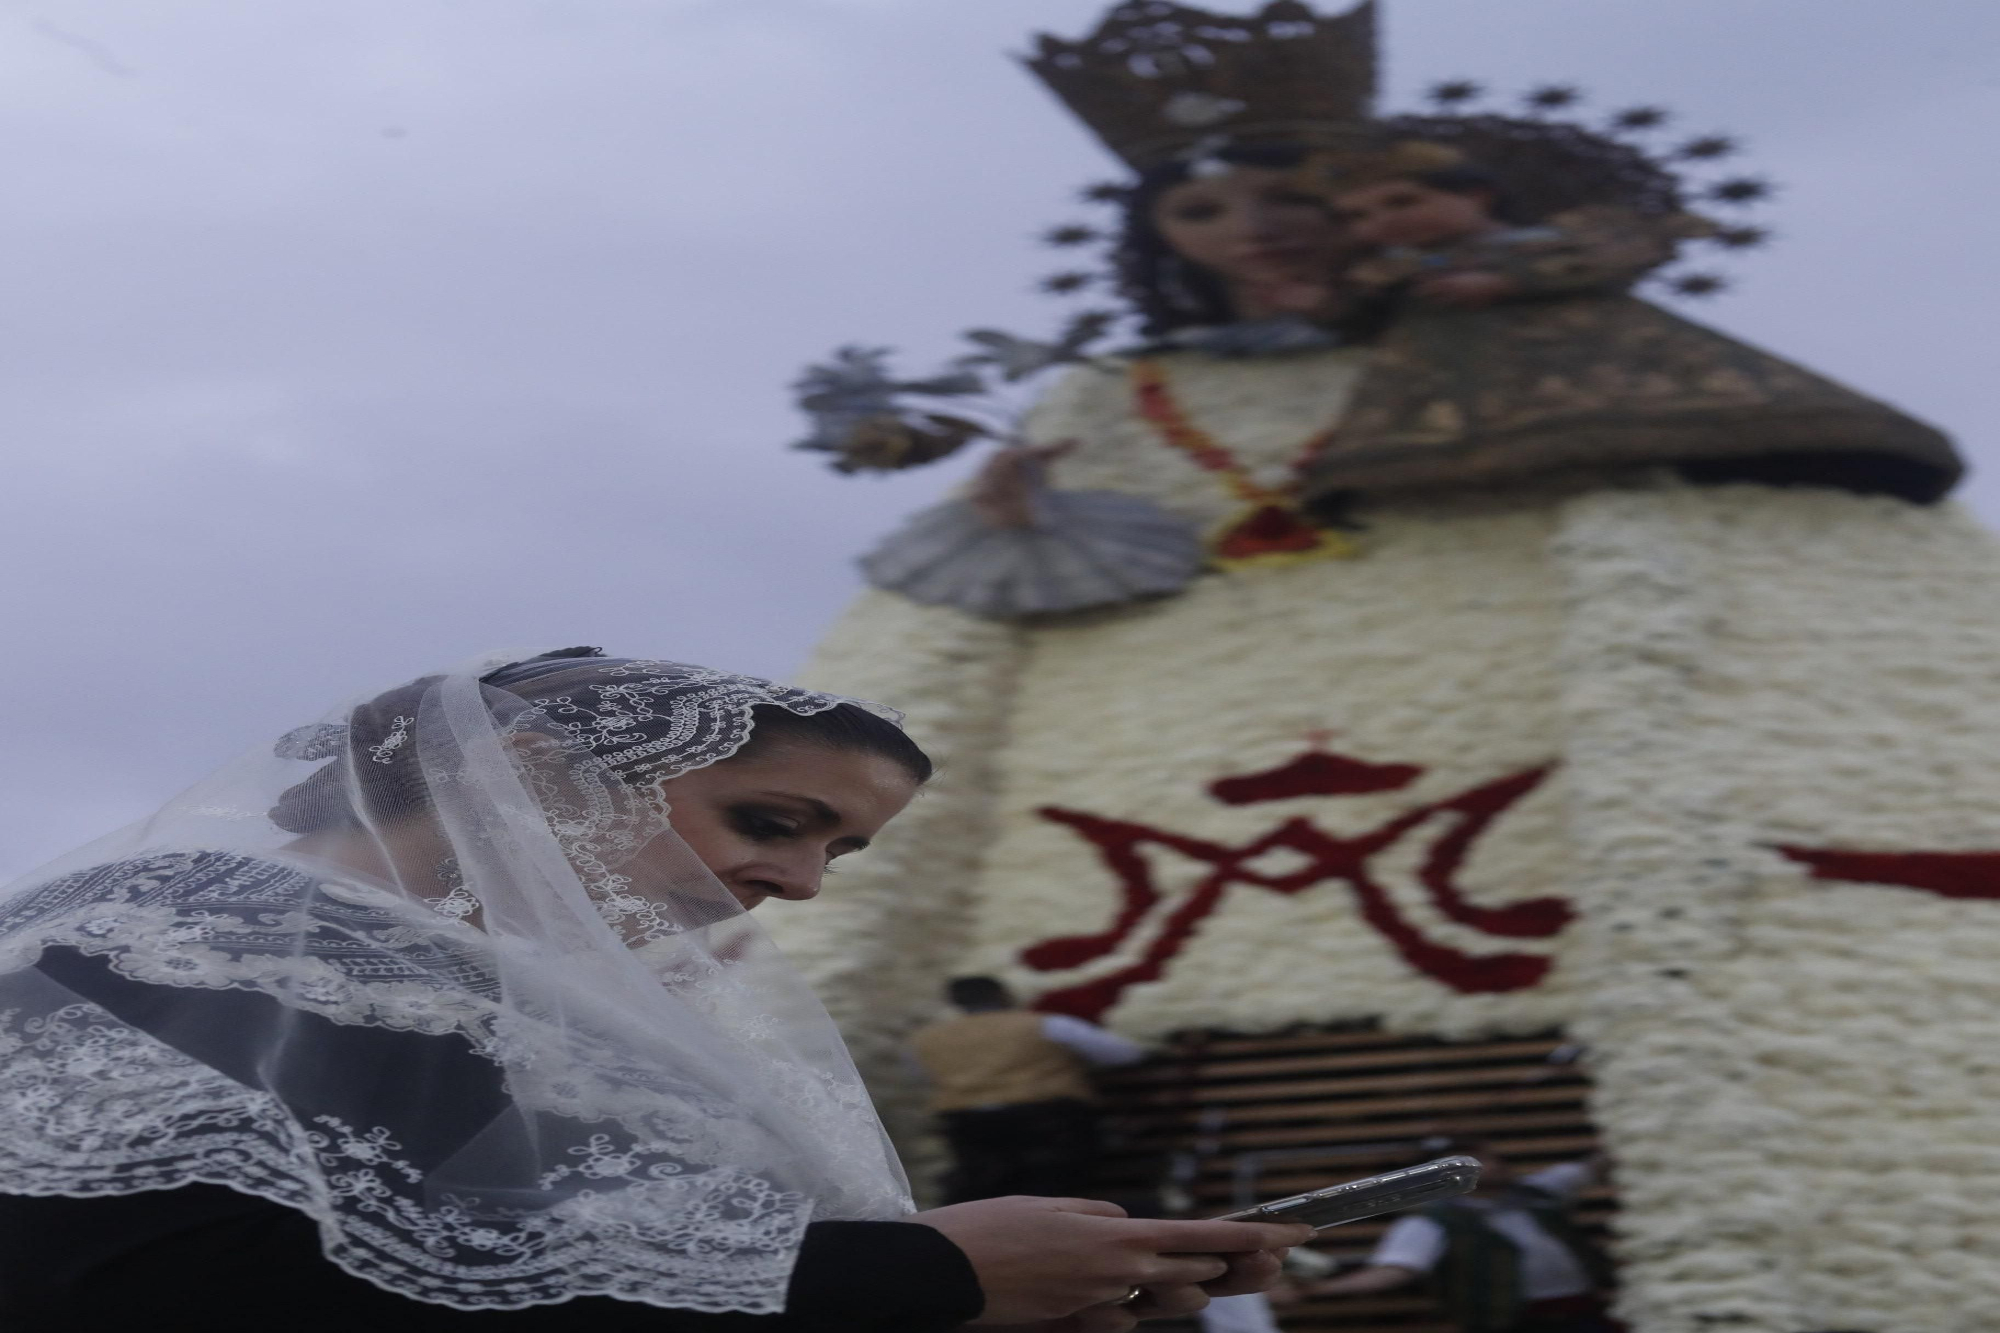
[
  {"x": 644, "y": 1203},
  {"x": 120, "y": 1109},
  {"x": 707, "y": 715},
  {"x": 384, "y": 752},
  {"x": 218, "y": 920}
]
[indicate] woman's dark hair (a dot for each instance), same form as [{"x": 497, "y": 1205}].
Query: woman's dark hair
[
  {"x": 1167, "y": 291},
  {"x": 387, "y": 791},
  {"x": 376, "y": 753},
  {"x": 848, "y": 727}
]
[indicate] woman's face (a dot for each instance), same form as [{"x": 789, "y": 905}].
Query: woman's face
[
  {"x": 1252, "y": 227},
  {"x": 1411, "y": 213},
  {"x": 770, "y": 824}
]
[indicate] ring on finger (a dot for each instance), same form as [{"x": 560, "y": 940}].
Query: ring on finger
[{"x": 1132, "y": 1295}]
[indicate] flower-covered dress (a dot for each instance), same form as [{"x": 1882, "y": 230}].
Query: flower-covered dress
[{"x": 1702, "y": 774}]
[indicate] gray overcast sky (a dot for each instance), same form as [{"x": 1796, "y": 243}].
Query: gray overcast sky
[{"x": 349, "y": 337}]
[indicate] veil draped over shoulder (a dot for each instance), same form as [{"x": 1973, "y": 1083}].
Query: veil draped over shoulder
[{"x": 436, "y": 972}]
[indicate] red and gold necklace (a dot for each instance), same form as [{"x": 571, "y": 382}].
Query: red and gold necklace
[{"x": 1270, "y": 529}]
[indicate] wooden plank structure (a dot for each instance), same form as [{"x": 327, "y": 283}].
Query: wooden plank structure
[{"x": 1225, "y": 1120}]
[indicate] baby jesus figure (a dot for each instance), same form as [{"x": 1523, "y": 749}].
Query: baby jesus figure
[
  {"x": 1513, "y": 348},
  {"x": 1446, "y": 237}
]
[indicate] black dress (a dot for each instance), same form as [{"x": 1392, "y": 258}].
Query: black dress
[{"x": 209, "y": 1257}]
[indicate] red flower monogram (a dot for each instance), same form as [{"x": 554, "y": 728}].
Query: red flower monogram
[
  {"x": 1121, "y": 845},
  {"x": 1947, "y": 874},
  {"x": 1170, "y": 923}
]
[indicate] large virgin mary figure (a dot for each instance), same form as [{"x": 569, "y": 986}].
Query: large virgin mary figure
[{"x": 1672, "y": 724}]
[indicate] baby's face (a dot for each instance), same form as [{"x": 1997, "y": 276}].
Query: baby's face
[{"x": 1411, "y": 213}]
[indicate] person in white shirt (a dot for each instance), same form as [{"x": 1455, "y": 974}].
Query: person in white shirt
[
  {"x": 1506, "y": 1258},
  {"x": 1013, "y": 1093}
]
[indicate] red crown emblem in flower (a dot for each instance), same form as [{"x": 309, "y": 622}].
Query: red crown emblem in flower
[{"x": 1317, "y": 772}]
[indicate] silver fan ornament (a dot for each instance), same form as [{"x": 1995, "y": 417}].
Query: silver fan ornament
[{"x": 1084, "y": 549}]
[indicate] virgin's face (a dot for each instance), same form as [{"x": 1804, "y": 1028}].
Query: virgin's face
[
  {"x": 1413, "y": 214},
  {"x": 769, "y": 825},
  {"x": 1251, "y": 227}
]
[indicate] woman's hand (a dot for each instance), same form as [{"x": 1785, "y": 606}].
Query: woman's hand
[
  {"x": 1247, "y": 1272},
  {"x": 1470, "y": 290},
  {"x": 1283, "y": 1294},
  {"x": 1252, "y": 1270},
  {"x": 1004, "y": 491},
  {"x": 1050, "y": 1259},
  {"x": 1256, "y": 1270}
]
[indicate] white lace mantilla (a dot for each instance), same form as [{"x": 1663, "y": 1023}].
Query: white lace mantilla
[
  {"x": 117, "y": 1093},
  {"x": 220, "y": 920}
]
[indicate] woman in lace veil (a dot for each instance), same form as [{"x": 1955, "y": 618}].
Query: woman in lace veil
[{"x": 448, "y": 1010}]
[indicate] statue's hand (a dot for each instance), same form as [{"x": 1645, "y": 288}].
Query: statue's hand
[{"x": 1004, "y": 491}]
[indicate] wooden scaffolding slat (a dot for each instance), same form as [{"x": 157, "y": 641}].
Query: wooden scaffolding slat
[
  {"x": 1219, "y": 1068},
  {"x": 1353, "y": 1084},
  {"x": 1314, "y": 1108}
]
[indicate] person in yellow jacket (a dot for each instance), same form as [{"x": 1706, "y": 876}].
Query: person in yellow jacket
[{"x": 1012, "y": 1091}]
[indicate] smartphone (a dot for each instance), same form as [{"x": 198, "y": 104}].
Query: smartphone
[{"x": 1446, "y": 1178}]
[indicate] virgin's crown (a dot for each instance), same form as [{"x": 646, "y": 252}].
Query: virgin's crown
[{"x": 1157, "y": 78}]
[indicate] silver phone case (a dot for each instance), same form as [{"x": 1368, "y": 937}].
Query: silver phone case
[{"x": 1445, "y": 1178}]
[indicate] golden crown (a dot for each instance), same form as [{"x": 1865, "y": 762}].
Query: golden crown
[{"x": 1158, "y": 79}]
